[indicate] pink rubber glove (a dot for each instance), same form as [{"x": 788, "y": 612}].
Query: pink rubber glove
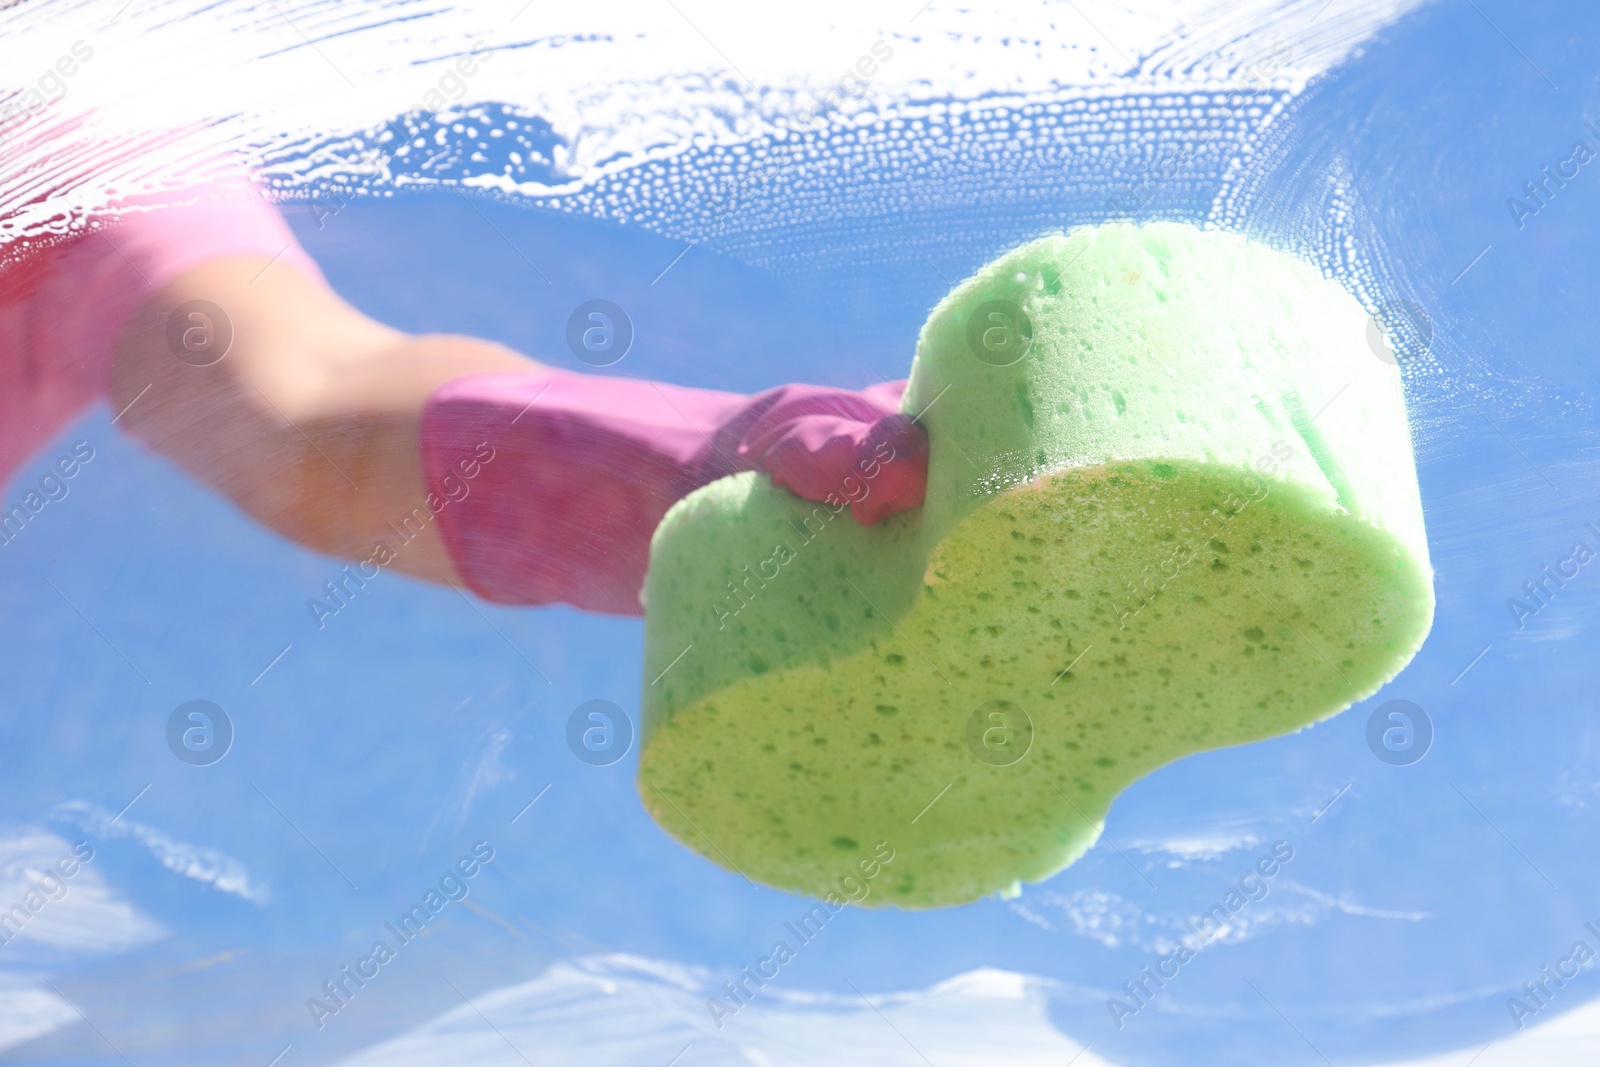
[
  {"x": 64, "y": 303},
  {"x": 549, "y": 484}
]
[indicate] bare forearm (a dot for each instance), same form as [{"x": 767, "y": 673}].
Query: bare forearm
[{"x": 310, "y": 421}]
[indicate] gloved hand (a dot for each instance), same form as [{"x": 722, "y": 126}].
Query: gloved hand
[
  {"x": 65, "y": 303},
  {"x": 550, "y": 483}
]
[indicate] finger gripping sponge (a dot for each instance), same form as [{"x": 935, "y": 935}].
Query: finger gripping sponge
[{"x": 1171, "y": 506}]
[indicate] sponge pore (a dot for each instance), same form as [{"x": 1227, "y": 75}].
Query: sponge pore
[{"x": 1172, "y": 506}]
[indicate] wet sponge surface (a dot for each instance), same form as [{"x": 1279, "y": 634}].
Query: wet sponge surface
[{"x": 1185, "y": 516}]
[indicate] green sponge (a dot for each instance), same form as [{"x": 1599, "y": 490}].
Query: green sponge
[{"x": 1171, "y": 506}]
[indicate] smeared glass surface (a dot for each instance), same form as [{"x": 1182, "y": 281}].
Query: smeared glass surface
[{"x": 673, "y": 158}]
